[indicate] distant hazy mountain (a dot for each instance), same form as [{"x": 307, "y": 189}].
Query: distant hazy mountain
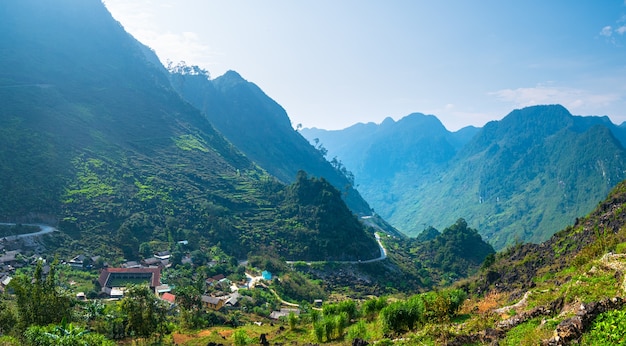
[
  {"x": 521, "y": 178},
  {"x": 260, "y": 127},
  {"x": 376, "y": 152},
  {"x": 92, "y": 134}
]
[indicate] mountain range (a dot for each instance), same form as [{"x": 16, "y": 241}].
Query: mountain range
[
  {"x": 98, "y": 136},
  {"x": 96, "y": 139},
  {"x": 259, "y": 127},
  {"x": 518, "y": 179}
]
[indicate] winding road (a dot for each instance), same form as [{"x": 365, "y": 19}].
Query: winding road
[
  {"x": 45, "y": 229},
  {"x": 383, "y": 255}
]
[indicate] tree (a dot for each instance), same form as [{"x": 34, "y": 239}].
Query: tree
[
  {"x": 146, "y": 314},
  {"x": 145, "y": 250},
  {"x": 240, "y": 338},
  {"x": 7, "y": 318},
  {"x": 190, "y": 303},
  {"x": 318, "y": 330},
  {"x": 329, "y": 327},
  {"x": 39, "y": 300},
  {"x": 292, "y": 319},
  {"x": 64, "y": 334}
]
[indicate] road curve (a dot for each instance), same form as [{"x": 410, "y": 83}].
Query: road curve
[
  {"x": 44, "y": 229},
  {"x": 383, "y": 255}
]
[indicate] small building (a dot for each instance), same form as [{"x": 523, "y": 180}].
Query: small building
[
  {"x": 116, "y": 292},
  {"x": 131, "y": 264},
  {"x": 275, "y": 315},
  {"x": 151, "y": 262},
  {"x": 266, "y": 275},
  {"x": 232, "y": 300},
  {"x": 168, "y": 297},
  {"x": 9, "y": 257},
  {"x": 213, "y": 280},
  {"x": 81, "y": 296},
  {"x": 115, "y": 278},
  {"x": 4, "y": 281},
  {"x": 212, "y": 303},
  {"x": 78, "y": 262},
  {"x": 162, "y": 289},
  {"x": 163, "y": 255}
]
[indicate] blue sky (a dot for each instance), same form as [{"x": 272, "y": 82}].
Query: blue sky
[{"x": 331, "y": 64}]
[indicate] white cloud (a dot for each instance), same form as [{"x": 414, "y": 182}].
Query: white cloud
[
  {"x": 621, "y": 30},
  {"x": 573, "y": 99},
  {"x": 606, "y": 31}
]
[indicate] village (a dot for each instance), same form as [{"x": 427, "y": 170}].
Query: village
[{"x": 89, "y": 277}]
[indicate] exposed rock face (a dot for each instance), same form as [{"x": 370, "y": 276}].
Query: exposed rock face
[
  {"x": 359, "y": 342},
  {"x": 573, "y": 328},
  {"x": 490, "y": 335},
  {"x": 263, "y": 340}
]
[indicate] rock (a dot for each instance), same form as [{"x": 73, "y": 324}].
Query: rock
[
  {"x": 263, "y": 340},
  {"x": 359, "y": 342}
]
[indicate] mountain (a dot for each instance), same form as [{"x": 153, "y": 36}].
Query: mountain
[
  {"x": 375, "y": 152},
  {"x": 260, "y": 128},
  {"x": 566, "y": 290},
  {"x": 517, "y": 179},
  {"x": 94, "y": 135}
]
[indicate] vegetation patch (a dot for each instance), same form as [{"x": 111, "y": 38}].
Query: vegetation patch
[{"x": 190, "y": 142}]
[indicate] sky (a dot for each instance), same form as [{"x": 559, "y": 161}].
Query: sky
[{"x": 334, "y": 63}]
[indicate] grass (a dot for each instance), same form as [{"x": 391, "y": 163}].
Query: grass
[
  {"x": 608, "y": 328},
  {"x": 530, "y": 332}
]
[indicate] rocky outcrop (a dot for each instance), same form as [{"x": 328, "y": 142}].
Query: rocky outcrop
[
  {"x": 574, "y": 327},
  {"x": 492, "y": 335}
]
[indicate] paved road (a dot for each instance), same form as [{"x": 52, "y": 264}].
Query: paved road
[
  {"x": 383, "y": 255},
  {"x": 45, "y": 229},
  {"x": 383, "y": 252}
]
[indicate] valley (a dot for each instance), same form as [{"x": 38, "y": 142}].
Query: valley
[{"x": 145, "y": 204}]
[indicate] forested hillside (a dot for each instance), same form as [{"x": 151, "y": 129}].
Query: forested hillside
[
  {"x": 260, "y": 128},
  {"x": 518, "y": 179},
  {"x": 94, "y": 137}
]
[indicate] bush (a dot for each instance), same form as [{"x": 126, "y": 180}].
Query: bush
[{"x": 609, "y": 328}]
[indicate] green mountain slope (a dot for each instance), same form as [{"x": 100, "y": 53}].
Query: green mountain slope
[
  {"x": 260, "y": 127},
  {"x": 522, "y": 178},
  {"x": 518, "y": 179},
  {"x": 93, "y": 135},
  {"x": 376, "y": 154},
  {"x": 566, "y": 290}
]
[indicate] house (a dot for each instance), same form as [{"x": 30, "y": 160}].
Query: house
[
  {"x": 81, "y": 296},
  {"x": 213, "y": 280},
  {"x": 78, "y": 261},
  {"x": 275, "y": 315},
  {"x": 168, "y": 297},
  {"x": 151, "y": 262},
  {"x": 131, "y": 264},
  {"x": 213, "y": 303},
  {"x": 9, "y": 257},
  {"x": 232, "y": 299},
  {"x": 116, "y": 293},
  {"x": 4, "y": 281},
  {"x": 163, "y": 255},
  {"x": 116, "y": 278},
  {"x": 162, "y": 289}
]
